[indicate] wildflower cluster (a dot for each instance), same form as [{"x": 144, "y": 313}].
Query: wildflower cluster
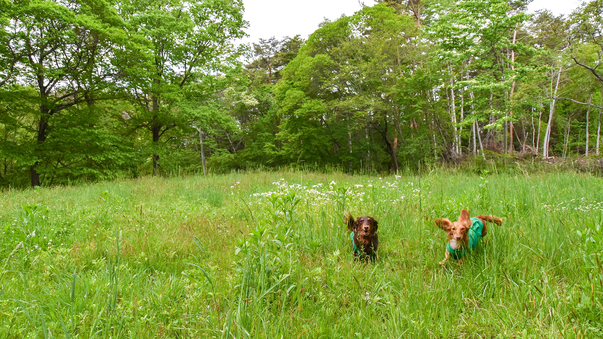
[
  {"x": 390, "y": 192},
  {"x": 316, "y": 194},
  {"x": 581, "y": 205}
]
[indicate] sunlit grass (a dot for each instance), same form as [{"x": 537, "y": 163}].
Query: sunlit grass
[{"x": 267, "y": 255}]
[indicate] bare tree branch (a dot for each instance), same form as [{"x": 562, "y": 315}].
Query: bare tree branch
[
  {"x": 592, "y": 70},
  {"x": 576, "y": 101}
]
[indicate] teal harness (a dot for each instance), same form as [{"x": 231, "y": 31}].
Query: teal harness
[
  {"x": 356, "y": 249},
  {"x": 475, "y": 235}
]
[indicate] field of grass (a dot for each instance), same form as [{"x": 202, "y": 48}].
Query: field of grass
[{"x": 266, "y": 255}]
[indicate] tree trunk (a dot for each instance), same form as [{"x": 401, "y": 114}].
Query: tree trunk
[
  {"x": 525, "y": 137},
  {"x": 391, "y": 149},
  {"x": 512, "y": 90},
  {"x": 533, "y": 131},
  {"x": 202, "y": 149},
  {"x": 202, "y": 152},
  {"x": 505, "y": 133},
  {"x": 461, "y": 127},
  {"x": 350, "y": 142},
  {"x": 539, "y": 128},
  {"x": 393, "y": 153},
  {"x": 567, "y": 136},
  {"x": 599, "y": 132},
  {"x": 455, "y": 147},
  {"x": 481, "y": 146},
  {"x": 490, "y": 118},
  {"x": 473, "y": 132},
  {"x": 368, "y": 149},
  {"x": 476, "y": 127},
  {"x": 547, "y": 135},
  {"x": 42, "y": 131},
  {"x": 534, "y": 138},
  {"x": 155, "y": 130},
  {"x": 587, "y": 118}
]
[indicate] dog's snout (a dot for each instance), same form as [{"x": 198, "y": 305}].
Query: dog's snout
[{"x": 366, "y": 228}]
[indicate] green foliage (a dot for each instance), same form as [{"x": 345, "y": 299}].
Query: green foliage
[
  {"x": 185, "y": 42},
  {"x": 94, "y": 89},
  {"x": 344, "y": 82}
]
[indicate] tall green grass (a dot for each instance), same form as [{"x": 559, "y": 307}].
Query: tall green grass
[{"x": 266, "y": 255}]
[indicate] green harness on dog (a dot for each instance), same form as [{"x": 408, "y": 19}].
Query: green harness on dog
[
  {"x": 475, "y": 235},
  {"x": 356, "y": 249}
]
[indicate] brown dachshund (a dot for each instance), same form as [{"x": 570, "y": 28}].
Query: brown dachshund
[
  {"x": 365, "y": 239},
  {"x": 464, "y": 234}
]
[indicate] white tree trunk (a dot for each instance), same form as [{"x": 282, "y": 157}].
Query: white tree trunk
[
  {"x": 473, "y": 131},
  {"x": 368, "y": 150},
  {"x": 202, "y": 149},
  {"x": 587, "y": 117},
  {"x": 539, "y": 128},
  {"x": 461, "y": 127},
  {"x": 547, "y": 135},
  {"x": 599, "y": 132},
  {"x": 566, "y": 138},
  {"x": 476, "y": 128},
  {"x": 455, "y": 147},
  {"x": 510, "y": 149},
  {"x": 533, "y": 131},
  {"x": 481, "y": 146}
]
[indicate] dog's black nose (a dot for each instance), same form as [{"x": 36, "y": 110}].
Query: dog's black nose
[{"x": 366, "y": 228}]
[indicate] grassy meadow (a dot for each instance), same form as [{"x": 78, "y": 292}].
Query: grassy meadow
[{"x": 266, "y": 255}]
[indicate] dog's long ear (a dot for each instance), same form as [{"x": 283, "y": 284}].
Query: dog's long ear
[
  {"x": 349, "y": 220},
  {"x": 375, "y": 223},
  {"x": 444, "y": 224},
  {"x": 464, "y": 218}
]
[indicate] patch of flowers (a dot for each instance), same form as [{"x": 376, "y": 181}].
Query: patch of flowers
[
  {"x": 315, "y": 194},
  {"x": 581, "y": 205},
  {"x": 387, "y": 191}
]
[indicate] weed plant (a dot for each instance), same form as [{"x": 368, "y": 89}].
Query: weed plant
[{"x": 266, "y": 255}]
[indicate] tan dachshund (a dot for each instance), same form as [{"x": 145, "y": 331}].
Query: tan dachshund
[{"x": 464, "y": 234}]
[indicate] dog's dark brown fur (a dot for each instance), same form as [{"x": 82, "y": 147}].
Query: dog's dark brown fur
[{"x": 366, "y": 238}]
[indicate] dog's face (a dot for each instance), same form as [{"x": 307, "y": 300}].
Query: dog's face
[
  {"x": 365, "y": 226},
  {"x": 458, "y": 231}
]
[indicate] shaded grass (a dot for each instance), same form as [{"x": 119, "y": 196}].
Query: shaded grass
[{"x": 123, "y": 260}]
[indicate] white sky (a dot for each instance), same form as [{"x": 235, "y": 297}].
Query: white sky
[
  {"x": 281, "y": 18},
  {"x": 556, "y": 6}
]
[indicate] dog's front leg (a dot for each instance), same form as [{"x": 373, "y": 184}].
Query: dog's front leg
[{"x": 443, "y": 262}]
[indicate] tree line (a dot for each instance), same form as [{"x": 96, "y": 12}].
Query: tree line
[{"x": 97, "y": 89}]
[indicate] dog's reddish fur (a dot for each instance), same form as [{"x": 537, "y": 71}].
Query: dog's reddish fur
[
  {"x": 365, "y": 234},
  {"x": 459, "y": 230}
]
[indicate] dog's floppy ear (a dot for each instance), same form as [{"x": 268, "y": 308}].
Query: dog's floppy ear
[
  {"x": 349, "y": 220},
  {"x": 444, "y": 224},
  {"x": 375, "y": 223},
  {"x": 464, "y": 218}
]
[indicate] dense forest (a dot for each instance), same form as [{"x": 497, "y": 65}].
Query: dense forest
[{"x": 97, "y": 89}]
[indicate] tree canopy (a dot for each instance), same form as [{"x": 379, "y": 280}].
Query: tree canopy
[{"x": 94, "y": 89}]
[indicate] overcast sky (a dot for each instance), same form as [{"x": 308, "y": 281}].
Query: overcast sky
[{"x": 281, "y": 18}]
